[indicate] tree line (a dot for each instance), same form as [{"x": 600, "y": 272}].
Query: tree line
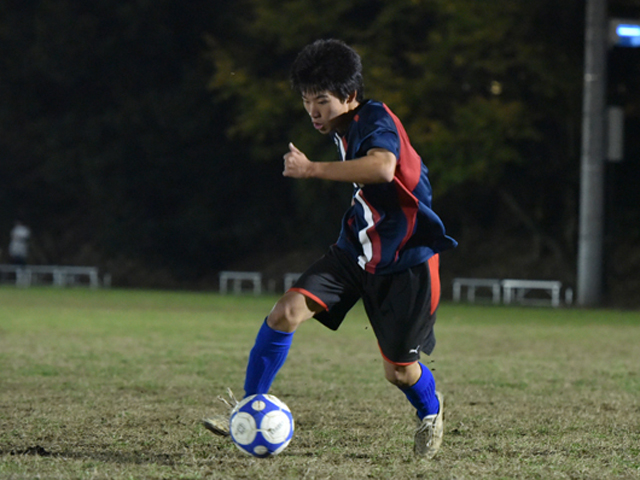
[{"x": 147, "y": 137}]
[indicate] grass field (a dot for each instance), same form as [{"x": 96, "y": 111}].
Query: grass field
[{"x": 111, "y": 384}]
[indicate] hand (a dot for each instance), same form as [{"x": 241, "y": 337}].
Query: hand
[{"x": 296, "y": 164}]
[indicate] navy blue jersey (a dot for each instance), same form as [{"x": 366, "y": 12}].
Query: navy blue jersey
[{"x": 390, "y": 227}]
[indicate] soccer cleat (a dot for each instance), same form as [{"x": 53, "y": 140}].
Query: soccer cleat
[
  {"x": 219, "y": 424},
  {"x": 428, "y": 437}
]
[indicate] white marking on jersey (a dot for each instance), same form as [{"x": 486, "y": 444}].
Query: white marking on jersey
[
  {"x": 365, "y": 241},
  {"x": 338, "y": 142}
]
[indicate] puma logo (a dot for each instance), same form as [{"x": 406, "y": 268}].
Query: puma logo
[{"x": 415, "y": 350}]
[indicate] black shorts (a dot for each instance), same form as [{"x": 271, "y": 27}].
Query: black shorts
[{"x": 401, "y": 306}]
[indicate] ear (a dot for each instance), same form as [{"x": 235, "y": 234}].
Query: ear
[{"x": 352, "y": 97}]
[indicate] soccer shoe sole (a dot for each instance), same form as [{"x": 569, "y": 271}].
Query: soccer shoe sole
[{"x": 218, "y": 424}]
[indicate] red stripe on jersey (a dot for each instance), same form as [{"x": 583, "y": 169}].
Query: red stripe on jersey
[
  {"x": 409, "y": 164},
  {"x": 409, "y": 205},
  {"x": 434, "y": 271},
  {"x": 407, "y": 176}
]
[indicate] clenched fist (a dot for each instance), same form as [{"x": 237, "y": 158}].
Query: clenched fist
[{"x": 296, "y": 164}]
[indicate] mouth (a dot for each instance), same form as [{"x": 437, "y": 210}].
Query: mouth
[{"x": 318, "y": 126}]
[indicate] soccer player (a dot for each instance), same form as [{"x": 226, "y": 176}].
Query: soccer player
[{"x": 387, "y": 251}]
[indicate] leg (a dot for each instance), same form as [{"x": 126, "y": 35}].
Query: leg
[
  {"x": 402, "y": 375},
  {"x": 269, "y": 352},
  {"x": 401, "y": 308},
  {"x": 290, "y": 311},
  {"x": 330, "y": 282},
  {"x": 328, "y": 287},
  {"x": 417, "y": 383},
  {"x": 274, "y": 340}
]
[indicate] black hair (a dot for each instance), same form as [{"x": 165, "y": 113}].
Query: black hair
[{"x": 328, "y": 66}]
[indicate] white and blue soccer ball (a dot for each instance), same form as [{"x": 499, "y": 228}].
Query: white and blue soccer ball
[{"x": 261, "y": 425}]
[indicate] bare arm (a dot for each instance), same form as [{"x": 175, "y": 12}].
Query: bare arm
[{"x": 378, "y": 166}]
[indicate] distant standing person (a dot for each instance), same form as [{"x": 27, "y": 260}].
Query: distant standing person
[{"x": 19, "y": 245}]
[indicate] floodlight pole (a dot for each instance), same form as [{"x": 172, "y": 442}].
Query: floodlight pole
[{"x": 590, "y": 245}]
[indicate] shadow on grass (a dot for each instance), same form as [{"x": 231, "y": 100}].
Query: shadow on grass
[{"x": 122, "y": 458}]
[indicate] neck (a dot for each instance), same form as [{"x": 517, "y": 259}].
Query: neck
[{"x": 345, "y": 119}]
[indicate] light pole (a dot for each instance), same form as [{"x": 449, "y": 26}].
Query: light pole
[
  {"x": 600, "y": 34},
  {"x": 590, "y": 244}
]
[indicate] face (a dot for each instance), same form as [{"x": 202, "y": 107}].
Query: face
[{"x": 325, "y": 110}]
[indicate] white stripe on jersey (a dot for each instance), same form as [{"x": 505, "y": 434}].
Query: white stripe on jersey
[
  {"x": 338, "y": 141},
  {"x": 365, "y": 241}
]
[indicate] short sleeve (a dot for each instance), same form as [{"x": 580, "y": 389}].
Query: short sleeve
[{"x": 377, "y": 130}]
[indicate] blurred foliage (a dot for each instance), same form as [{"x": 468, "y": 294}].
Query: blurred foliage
[
  {"x": 484, "y": 90},
  {"x": 112, "y": 146},
  {"x": 148, "y": 136}
]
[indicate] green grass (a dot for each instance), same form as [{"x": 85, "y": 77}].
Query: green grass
[{"x": 111, "y": 384}]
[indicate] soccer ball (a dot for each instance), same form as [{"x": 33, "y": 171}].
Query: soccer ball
[{"x": 261, "y": 425}]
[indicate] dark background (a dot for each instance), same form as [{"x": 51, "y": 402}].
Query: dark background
[{"x": 146, "y": 137}]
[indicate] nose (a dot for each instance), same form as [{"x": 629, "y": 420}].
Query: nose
[{"x": 314, "y": 112}]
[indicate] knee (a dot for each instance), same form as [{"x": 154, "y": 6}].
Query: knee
[
  {"x": 286, "y": 314},
  {"x": 402, "y": 376}
]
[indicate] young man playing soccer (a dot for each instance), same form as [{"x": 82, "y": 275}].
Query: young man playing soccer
[{"x": 387, "y": 251}]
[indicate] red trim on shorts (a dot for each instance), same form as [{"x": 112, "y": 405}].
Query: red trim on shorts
[
  {"x": 434, "y": 271},
  {"x": 310, "y": 295},
  {"x": 401, "y": 364}
]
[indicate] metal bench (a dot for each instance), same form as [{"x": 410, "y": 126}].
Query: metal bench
[
  {"x": 517, "y": 290},
  {"x": 71, "y": 275},
  {"x": 255, "y": 278},
  {"x": 58, "y": 275},
  {"x": 474, "y": 283}
]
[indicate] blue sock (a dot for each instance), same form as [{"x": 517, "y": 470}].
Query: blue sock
[
  {"x": 266, "y": 357},
  {"x": 422, "y": 394}
]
